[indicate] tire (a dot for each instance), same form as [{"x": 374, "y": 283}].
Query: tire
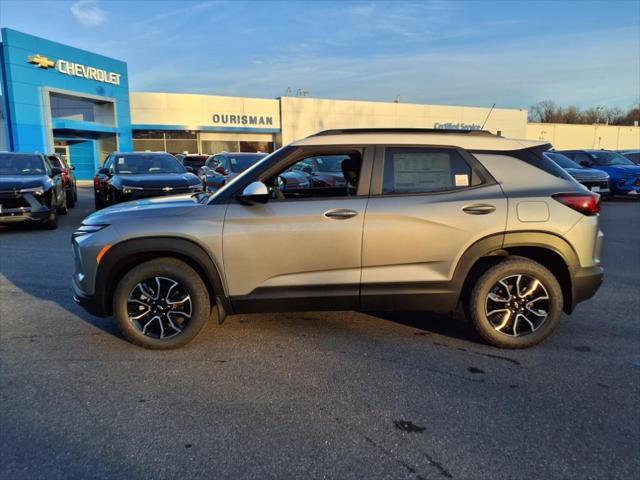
[
  {"x": 63, "y": 209},
  {"x": 51, "y": 223},
  {"x": 522, "y": 324},
  {"x": 162, "y": 318},
  {"x": 75, "y": 193},
  {"x": 71, "y": 201},
  {"x": 97, "y": 203}
]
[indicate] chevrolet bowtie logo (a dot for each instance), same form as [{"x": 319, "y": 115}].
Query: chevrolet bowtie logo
[
  {"x": 41, "y": 61},
  {"x": 167, "y": 189}
]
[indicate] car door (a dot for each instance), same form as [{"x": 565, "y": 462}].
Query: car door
[
  {"x": 427, "y": 206},
  {"x": 302, "y": 249}
]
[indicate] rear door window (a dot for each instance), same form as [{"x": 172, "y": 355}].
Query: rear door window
[{"x": 411, "y": 170}]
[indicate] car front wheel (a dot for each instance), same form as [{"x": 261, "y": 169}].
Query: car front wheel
[
  {"x": 516, "y": 303},
  {"x": 161, "y": 304}
]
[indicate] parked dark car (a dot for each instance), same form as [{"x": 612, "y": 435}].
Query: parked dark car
[
  {"x": 194, "y": 161},
  {"x": 595, "y": 180},
  {"x": 633, "y": 155},
  {"x": 324, "y": 171},
  {"x": 68, "y": 178},
  {"x": 624, "y": 174},
  {"x": 133, "y": 175},
  {"x": 31, "y": 190},
  {"x": 224, "y": 166}
]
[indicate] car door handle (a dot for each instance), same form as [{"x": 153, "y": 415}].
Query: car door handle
[
  {"x": 479, "y": 209},
  {"x": 340, "y": 213}
]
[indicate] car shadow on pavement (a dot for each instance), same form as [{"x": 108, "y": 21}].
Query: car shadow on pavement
[{"x": 432, "y": 323}]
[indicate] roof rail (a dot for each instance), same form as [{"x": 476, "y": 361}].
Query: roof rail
[{"x": 442, "y": 131}]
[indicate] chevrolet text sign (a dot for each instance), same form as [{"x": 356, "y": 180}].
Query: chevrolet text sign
[{"x": 75, "y": 69}]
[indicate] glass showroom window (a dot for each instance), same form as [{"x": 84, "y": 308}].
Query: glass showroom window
[
  {"x": 181, "y": 142},
  {"x": 152, "y": 140}
]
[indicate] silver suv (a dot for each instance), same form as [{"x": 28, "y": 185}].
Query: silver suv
[{"x": 428, "y": 220}]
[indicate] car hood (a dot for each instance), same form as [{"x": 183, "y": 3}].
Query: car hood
[
  {"x": 635, "y": 169},
  {"x": 330, "y": 178},
  {"x": 587, "y": 173},
  {"x": 158, "y": 180},
  {"x": 174, "y": 205},
  {"x": 11, "y": 182},
  {"x": 295, "y": 178}
]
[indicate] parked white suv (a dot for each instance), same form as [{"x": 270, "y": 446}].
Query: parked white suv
[{"x": 424, "y": 220}]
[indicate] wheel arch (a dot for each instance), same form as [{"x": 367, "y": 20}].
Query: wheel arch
[
  {"x": 125, "y": 255},
  {"x": 550, "y": 250}
]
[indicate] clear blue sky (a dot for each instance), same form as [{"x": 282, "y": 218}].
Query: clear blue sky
[{"x": 513, "y": 53}]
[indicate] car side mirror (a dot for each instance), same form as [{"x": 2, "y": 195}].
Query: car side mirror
[
  {"x": 586, "y": 163},
  {"x": 104, "y": 171},
  {"x": 56, "y": 171},
  {"x": 220, "y": 169},
  {"x": 189, "y": 169},
  {"x": 256, "y": 192}
]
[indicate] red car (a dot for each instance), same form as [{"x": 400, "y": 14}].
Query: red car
[{"x": 68, "y": 178}]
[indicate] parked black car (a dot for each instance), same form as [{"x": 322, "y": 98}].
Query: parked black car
[
  {"x": 31, "y": 190},
  {"x": 134, "y": 175},
  {"x": 224, "y": 166},
  {"x": 595, "y": 180},
  {"x": 68, "y": 178}
]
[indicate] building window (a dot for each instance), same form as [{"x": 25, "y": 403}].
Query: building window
[{"x": 71, "y": 107}]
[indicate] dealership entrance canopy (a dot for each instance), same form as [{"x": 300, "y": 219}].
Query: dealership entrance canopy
[{"x": 77, "y": 103}]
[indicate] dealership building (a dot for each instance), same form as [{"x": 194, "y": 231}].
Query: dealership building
[{"x": 77, "y": 103}]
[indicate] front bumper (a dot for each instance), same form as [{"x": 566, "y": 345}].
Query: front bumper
[
  {"x": 17, "y": 208},
  {"x": 585, "y": 284},
  {"x": 94, "y": 304}
]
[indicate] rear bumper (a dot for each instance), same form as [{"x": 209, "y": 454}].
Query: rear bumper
[{"x": 586, "y": 282}]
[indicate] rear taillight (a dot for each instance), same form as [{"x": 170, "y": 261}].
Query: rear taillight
[{"x": 585, "y": 203}]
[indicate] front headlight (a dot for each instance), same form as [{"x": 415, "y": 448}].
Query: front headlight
[
  {"x": 88, "y": 230},
  {"x": 34, "y": 190},
  {"x": 130, "y": 189}
]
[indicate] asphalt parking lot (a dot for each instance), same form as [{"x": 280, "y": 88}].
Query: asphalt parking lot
[{"x": 314, "y": 395}]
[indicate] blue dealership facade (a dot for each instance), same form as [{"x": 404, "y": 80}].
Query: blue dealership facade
[{"x": 64, "y": 99}]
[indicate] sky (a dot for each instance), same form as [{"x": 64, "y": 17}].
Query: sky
[{"x": 457, "y": 52}]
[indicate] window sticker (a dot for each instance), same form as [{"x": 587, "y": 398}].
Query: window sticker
[
  {"x": 422, "y": 172},
  {"x": 462, "y": 180}
]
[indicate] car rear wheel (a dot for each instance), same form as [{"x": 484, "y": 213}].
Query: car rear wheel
[
  {"x": 161, "y": 304},
  {"x": 63, "y": 209},
  {"x": 517, "y": 303},
  {"x": 71, "y": 201}
]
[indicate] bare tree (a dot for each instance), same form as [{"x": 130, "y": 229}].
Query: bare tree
[
  {"x": 543, "y": 112},
  {"x": 547, "y": 111}
]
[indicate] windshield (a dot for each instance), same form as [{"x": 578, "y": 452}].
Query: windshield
[
  {"x": 562, "y": 160},
  {"x": 242, "y": 162},
  {"x": 610, "y": 158},
  {"x": 144, "y": 163},
  {"x": 16, "y": 164}
]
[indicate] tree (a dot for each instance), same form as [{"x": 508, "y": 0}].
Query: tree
[{"x": 543, "y": 112}]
